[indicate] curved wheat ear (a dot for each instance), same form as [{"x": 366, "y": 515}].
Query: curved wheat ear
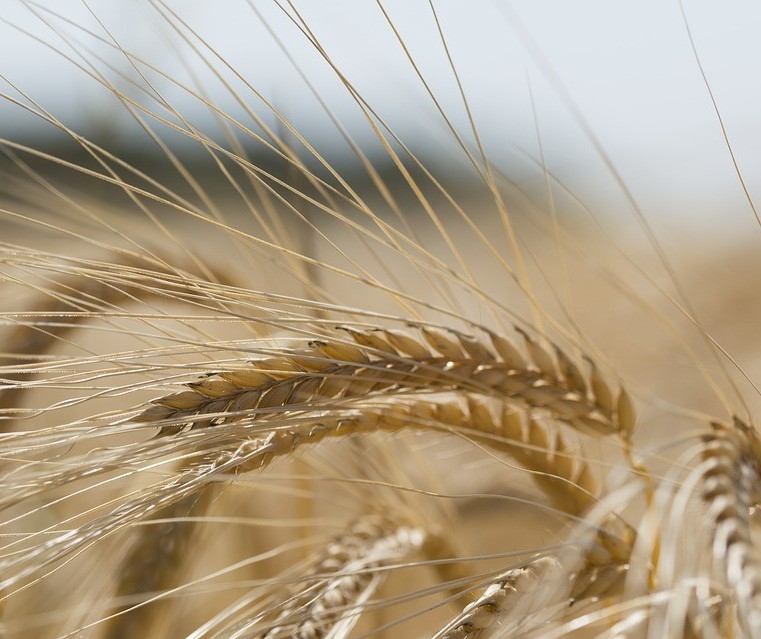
[
  {"x": 387, "y": 361},
  {"x": 564, "y": 476},
  {"x": 343, "y": 576},
  {"x": 731, "y": 487},
  {"x": 482, "y": 614}
]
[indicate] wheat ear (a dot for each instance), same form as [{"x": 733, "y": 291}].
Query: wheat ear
[
  {"x": 278, "y": 382},
  {"x": 730, "y": 489},
  {"x": 389, "y": 361},
  {"x": 296, "y": 382},
  {"x": 342, "y": 577}
]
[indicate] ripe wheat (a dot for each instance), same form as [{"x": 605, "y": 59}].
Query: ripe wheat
[{"x": 300, "y": 411}]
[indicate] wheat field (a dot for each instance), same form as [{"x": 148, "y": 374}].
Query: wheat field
[{"x": 252, "y": 390}]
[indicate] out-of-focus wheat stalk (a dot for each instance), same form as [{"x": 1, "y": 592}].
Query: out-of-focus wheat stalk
[{"x": 299, "y": 411}]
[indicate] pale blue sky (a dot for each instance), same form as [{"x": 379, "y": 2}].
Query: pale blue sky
[{"x": 626, "y": 65}]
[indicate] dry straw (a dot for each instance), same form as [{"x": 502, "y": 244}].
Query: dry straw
[{"x": 310, "y": 413}]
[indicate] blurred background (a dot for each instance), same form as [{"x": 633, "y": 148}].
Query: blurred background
[{"x": 624, "y": 70}]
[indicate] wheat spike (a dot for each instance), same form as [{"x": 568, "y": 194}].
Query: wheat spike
[
  {"x": 730, "y": 488},
  {"x": 332, "y": 370},
  {"x": 342, "y": 576}
]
